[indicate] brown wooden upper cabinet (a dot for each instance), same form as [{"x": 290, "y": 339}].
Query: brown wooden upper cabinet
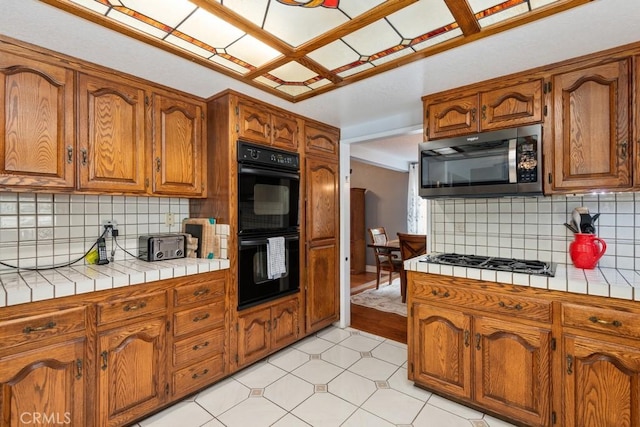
[
  {"x": 258, "y": 123},
  {"x": 41, "y": 108},
  {"x": 112, "y": 138},
  {"x": 488, "y": 109},
  {"x": 37, "y": 124},
  {"x": 178, "y": 147},
  {"x": 321, "y": 139},
  {"x": 589, "y": 140}
]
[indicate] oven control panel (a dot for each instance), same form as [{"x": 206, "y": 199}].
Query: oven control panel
[{"x": 257, "y": 154}]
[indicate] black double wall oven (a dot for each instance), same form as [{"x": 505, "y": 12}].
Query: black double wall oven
[{"x": 268, "y": 214}]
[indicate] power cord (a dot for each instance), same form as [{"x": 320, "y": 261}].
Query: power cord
[{"x": 58, "y": 265}]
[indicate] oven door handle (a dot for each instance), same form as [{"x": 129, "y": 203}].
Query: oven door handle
[
  {"x": 242, "y": 169},
  {"x": 263, "y": 240}
]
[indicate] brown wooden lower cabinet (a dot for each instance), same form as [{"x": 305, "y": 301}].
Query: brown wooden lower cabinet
[
  {"x": 267, "y": 329},
  {"x": 601, "y": 381},
  {"x": 113, "y": 357},
  {"x": 131, "y": 371},
  {"x": 532, "y": 356},
  {"x": 45, "y": 385}
]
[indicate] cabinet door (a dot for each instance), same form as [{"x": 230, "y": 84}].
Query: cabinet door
[
  {"x": 516, "y": 105},
  {"x": 322, "y": 224},
  {"x": 452, "y": 118},
  {"x": 284, "y": 131},
  {"x": 285, "y": 326},
  {"x": 322, "y": 140},
  {"x": 45, "y": 386},
  {"x": 112, "y": 137},
  {"x": 254, "y": 336},
  {"x": 323, "y": 204},
  {"x": 36, "y": 124},
  {"x": 441, "y": 353},
  {"x": 590, "y": 147},
  {"x": 178, "y": 146},
  {"x": 131, "y": 371},
  {"x": 512, "y": 370},
  {"x": 254, "y": 123},
  {"x": 601, "y": 383},
  {"x": 323, "y": 298}
]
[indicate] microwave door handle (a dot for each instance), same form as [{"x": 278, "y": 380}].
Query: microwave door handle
[{"x": 513, "y": 176}]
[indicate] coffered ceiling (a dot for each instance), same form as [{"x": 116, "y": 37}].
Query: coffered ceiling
[{"x": 296, "y": 49}]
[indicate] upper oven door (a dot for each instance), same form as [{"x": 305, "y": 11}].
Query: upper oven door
[
  {"x": 473, "y": 165},
  {"x": 268, "y": 200}
]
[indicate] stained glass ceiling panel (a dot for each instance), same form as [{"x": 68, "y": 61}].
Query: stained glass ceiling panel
[{"x": 297, "y": 49}]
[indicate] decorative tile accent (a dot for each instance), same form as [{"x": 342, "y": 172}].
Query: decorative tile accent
[
  {"x": 320, "y": 388},
  {"x": 315, "y": 357},
  {"x": 256, "y": 392},
  {"x": 479, "y": 423},
  {"x": 382, "y": 384}
]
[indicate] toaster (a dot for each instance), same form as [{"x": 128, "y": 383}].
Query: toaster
[{"x": 158, "y": 247}]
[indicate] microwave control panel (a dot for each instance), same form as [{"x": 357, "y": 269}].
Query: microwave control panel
[{"x": 527, "y": 160}]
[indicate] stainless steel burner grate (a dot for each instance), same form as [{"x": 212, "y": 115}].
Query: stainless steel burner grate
[{"x": 493, "y": 263}]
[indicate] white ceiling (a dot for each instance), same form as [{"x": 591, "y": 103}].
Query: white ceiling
[{"x": 380, "y": 116}]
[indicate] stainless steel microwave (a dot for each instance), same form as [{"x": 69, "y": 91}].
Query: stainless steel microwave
[{"x": 491, "y": 164}]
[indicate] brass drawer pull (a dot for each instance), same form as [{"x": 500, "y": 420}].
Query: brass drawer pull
[
  {"x": 30, "y": 329},
  {"x": 440, "y": 294},
  {"x": 201, "y": 292},
  {"x": 466, "y": 338},
  {"x": 205, "y": 372},
  {"x": 615, "y": 323},
  {"x": 131, "y": 307},
  {"x": 203, "y": 317},
  {"x": 510, "y": 307},
  {"x": 569, "y": 364},
  {"x": 199, "y": 346},
  {"x": 478, "y": 339}
]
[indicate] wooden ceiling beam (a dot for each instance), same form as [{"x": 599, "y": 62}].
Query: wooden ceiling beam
[
  {"x": 245, "y": 25},
  {"x": 464, "y": 16}
]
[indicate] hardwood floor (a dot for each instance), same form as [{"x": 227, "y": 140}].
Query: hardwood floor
[{"x": 388, "y": 325}]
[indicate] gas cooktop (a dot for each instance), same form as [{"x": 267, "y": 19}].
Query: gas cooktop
[{"x": 493, "y": 263}]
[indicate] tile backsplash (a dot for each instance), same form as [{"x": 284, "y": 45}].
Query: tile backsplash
[
  {"x": 41, "y": 230},
  {"x": 533, "y": 228}
]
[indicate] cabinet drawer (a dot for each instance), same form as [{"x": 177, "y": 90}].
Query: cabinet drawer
[
  {"x": 199, "y": 318},
  {"x": 198, "y": 375},
  {"x": 199, "y": 292},
  {"x": 37, "y": 327},
  {"x": 198, "y": 347},
  {"x": 601, "y": 319},
  {"x": 127, "y": 308},
  {"x": 497, "y": 303}
]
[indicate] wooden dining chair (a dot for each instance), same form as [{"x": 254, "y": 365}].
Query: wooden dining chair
[
  {"x": 411, "y": 246},
  {"x": 385, "y": 259}
]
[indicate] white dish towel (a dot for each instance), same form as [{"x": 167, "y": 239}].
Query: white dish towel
[{"x": 275, "y": 257}]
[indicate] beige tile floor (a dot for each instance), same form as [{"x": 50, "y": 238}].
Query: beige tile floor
[{"x": 336, "y": 377}]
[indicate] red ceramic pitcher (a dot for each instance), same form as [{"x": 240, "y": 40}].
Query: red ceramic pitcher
[{"x": 586, "y": 250}]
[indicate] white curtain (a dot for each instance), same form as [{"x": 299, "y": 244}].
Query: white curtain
[{"x": 416, "y": 205}]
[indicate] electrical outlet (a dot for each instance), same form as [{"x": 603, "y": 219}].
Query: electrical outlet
[
  {"x": 169, "y": 219},
  {"x": 109, "y": 225}
]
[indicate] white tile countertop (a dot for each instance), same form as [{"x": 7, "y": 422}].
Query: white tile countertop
[
  {"x": 27, "y": 286},
  {"x": 606, "y": 282}
]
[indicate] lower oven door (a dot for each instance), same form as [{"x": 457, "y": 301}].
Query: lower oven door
[{"x": 254, "y": 286}]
